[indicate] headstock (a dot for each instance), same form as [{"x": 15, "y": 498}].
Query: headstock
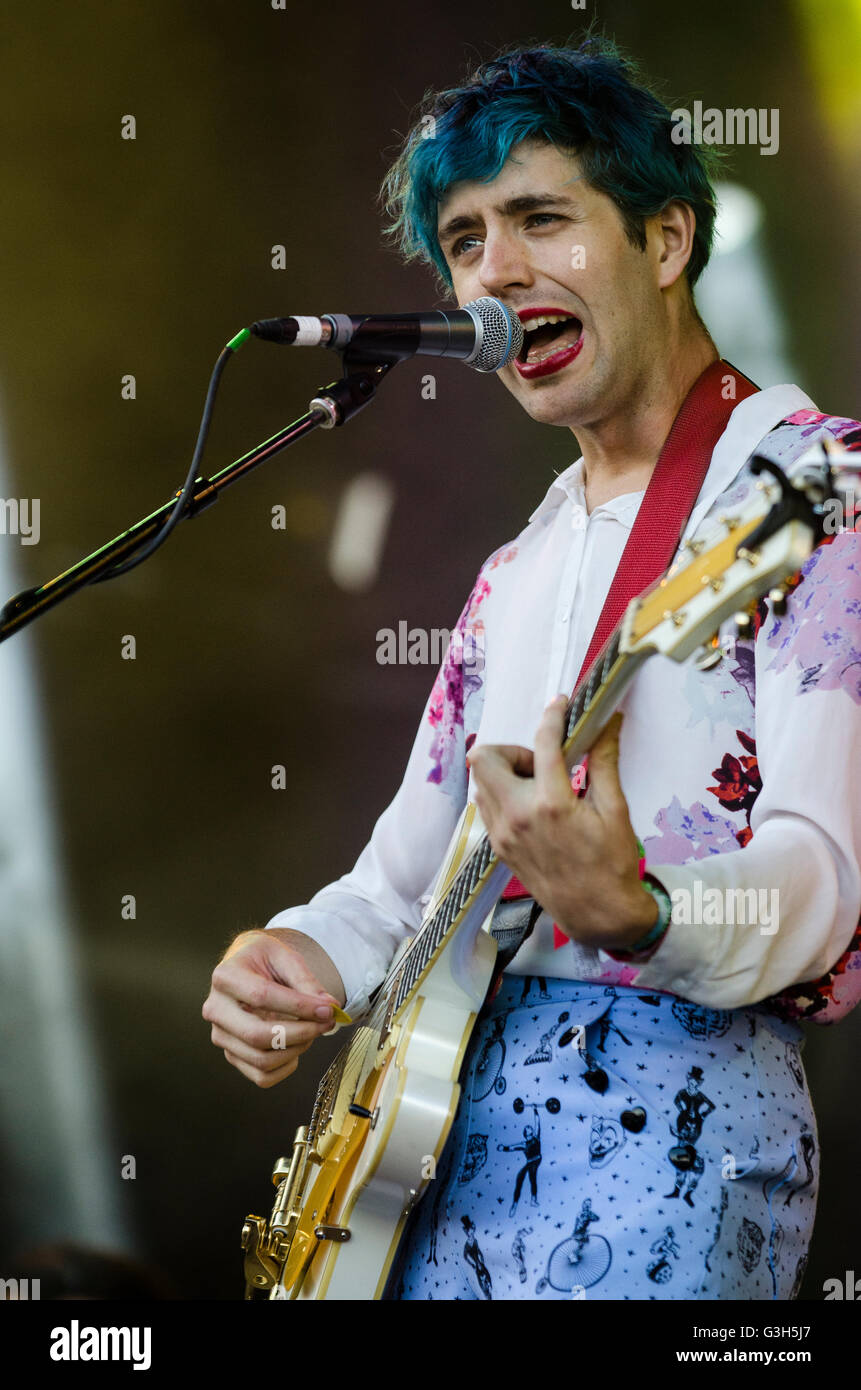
[{"x": 763, "y": 545}]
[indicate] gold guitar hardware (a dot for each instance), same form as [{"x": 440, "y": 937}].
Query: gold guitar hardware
[
  {"x": 742, "y": 624},
  {"x": 262, "y": 1267},
  {"x": 751, "y": 556},
  {"x": 777, "y": 599}
]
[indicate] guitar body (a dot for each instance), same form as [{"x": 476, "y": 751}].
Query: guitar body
[{"x": 373, "y": 1171}]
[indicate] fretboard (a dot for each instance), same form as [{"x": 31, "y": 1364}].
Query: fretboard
[{"x": 602, "y": 684}]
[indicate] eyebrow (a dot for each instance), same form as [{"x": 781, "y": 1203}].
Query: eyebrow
[{"x": 525, "y": 202}]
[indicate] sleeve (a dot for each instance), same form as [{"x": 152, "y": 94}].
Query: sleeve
[
  {"x": 361, "y": 919},
  {"x": 794, "y": 889}
]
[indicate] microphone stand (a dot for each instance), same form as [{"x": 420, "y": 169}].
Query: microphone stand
[{"x": 333, "y": 405}]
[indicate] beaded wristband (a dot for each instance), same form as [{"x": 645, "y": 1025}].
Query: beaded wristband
[{"x": 665, "y": 912}]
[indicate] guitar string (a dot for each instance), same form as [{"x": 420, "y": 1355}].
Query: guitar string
[
  {"x": 408, "y": 970},
  {"x": 428, "y": 937},
  {"x": 433, "y": 931}
]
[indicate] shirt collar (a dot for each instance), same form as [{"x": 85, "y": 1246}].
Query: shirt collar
[{"x": 748, "y": 424}]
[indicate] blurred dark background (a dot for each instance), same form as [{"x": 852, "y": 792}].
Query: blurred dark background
[{"x": 258, "y": 127}]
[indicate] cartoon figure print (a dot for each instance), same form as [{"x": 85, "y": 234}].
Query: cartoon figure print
[
  {"x": 749, "y": 1242},
  {"x": 474, "y": 1158},
  {"x": 693, "y": 1107},
  {"x": 531, "y": 1147},
  {"x": 518, "y": 1250},
  {"x": 792, "y": 1165},
  {"x": 435, "y": 1211},
  {"x": 661, "y": 1269},
  {"x": 544, "y": 1050},
  {"x": 808, "y": 1148},
  {"x": 605, "y": 1140},
  {"x": 473, "y": 1256},
  {"x": 606, "y": 1027},
  {"x": 490, "y": 1062},
  {"x": 793, "y": 1065},
  {"x": 581, "y": 1260},
  {"x": 724, "y": 1202}
]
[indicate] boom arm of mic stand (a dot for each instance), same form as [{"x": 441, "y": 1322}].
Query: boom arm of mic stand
[{"x": 333, "y": 405}]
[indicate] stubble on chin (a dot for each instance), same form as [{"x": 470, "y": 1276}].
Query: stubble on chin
[{"x": 550, "y": 405}]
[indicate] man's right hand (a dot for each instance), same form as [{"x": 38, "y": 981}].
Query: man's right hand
[{"x": 271, "y": 996}]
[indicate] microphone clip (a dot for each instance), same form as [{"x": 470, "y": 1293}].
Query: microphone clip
[{"x": 342, "y": 399}]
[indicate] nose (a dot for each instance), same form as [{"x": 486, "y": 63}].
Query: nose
[{"x": 504, "y": 263}]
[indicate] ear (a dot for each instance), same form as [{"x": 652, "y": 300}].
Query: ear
[{"x": 673, "y": 233}]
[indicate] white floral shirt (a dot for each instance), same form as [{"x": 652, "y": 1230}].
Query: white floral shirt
[{"x": 737, "y": 778}]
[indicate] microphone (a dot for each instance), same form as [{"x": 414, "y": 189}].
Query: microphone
[{"x": 484, "y": 333}]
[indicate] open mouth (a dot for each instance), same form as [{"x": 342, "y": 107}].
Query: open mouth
[{"x": 551, "y": 339}]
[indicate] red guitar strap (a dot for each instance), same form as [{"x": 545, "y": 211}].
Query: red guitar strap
[{"x": 670, "y": 496}]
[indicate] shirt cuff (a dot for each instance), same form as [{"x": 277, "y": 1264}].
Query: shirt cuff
[
  {"x": 358, "y": 974},
  {"x": 712, "y": 965}
]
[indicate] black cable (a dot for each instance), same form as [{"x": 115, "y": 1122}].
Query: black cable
[{"x": 188, "y": 487}]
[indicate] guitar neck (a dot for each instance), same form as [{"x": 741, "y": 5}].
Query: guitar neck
[{"x": 481, "y": 879}]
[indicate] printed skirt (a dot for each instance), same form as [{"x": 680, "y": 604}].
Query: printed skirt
[{"x": 617, "y": 1144}]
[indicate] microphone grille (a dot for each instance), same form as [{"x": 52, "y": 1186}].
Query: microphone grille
[{"x": 499, "y": 337}]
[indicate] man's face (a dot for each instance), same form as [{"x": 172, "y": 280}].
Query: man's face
[{"x": 539, "y": 237}]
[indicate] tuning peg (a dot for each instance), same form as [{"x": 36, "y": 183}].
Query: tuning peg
[
  {"x": 777, "y": 599},
  {"x": 742, "y": 622}
]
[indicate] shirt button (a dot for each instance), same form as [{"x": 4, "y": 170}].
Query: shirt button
[{"x": 564, "y": 618}]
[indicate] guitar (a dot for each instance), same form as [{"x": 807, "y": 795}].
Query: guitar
[{"x": 385, "y": 1106}]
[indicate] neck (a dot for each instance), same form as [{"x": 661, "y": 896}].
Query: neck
[{"x": 620, "y": 451}]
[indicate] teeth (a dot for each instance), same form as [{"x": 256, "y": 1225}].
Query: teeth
[
  {"x": 549, "y": 318},
  {"x": 553, "y": 349}
]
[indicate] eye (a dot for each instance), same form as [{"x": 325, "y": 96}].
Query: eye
[
  {"x": 461, "y": 247},
  {"x": 458, "y": 247},
  {"x": 551, "y": 216}
]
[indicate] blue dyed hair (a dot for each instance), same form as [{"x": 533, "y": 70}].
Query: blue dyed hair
[{"x": 589, "y": 101}]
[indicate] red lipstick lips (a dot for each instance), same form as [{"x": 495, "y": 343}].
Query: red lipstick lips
[{"x": 552, "y": 360}]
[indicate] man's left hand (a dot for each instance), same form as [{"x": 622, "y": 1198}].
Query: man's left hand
[{"x": 577, "y": 856}]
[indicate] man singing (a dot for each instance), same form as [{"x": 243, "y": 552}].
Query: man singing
[{"x": 552, "y": 181}]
